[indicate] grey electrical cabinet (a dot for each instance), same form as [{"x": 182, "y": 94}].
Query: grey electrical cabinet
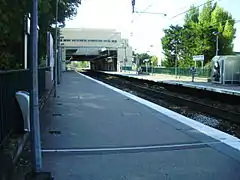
[{"x": 226, "y": 70}]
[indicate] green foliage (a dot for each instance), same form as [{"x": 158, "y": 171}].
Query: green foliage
[
  {"x": 12, "y": 27},
  {"x": 141, "y": 57},
  {"x": 192, "y": 15},
  {"x": 154, "y": 60},
  {"x": 79, "y": 64},
  {"x": 171, "y": 43},
  {"x": 196, "y": 36}
]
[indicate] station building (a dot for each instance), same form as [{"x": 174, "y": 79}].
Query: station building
[{"x": 104, "y": 48}]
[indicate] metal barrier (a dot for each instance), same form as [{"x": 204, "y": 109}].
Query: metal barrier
[
  {"x": 126, "y": 68},
  {"x": 10, "y": 113},
  {"x": 180, "y": 71}
]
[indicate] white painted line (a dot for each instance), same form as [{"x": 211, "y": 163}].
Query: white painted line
[
  {"x": 152, "y": 147},
  {"x": 209, "y": 131}
]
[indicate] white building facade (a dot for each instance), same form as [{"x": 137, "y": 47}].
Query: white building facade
[{"x": 90, "y": 42}]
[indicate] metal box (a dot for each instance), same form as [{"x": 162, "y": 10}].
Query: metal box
[{"x": 226, "y": 69}]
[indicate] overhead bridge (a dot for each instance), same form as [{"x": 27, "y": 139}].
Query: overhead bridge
[{"x": 104, "y": 48}]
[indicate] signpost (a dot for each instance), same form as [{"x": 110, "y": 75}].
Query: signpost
[
  {"x": 198, "y": 58},
  {"x": 26, "y": 35},
  {"x": 146, "y": 61}
]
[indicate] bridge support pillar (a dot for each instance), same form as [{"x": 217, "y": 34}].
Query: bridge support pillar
[{"x": 63, "y": 59}]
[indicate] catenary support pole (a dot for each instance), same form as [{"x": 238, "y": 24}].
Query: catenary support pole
[{"x": 34, "y": 104}]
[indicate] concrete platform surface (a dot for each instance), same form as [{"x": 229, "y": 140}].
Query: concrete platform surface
[
  {"x": 200, "y": 83},
  {"x": 92, "y": 132}
]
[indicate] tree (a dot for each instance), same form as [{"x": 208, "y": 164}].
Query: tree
[
  {"x": 192, "y": 16},
  {"x": 12, "y": 22},
  {"x": 223, "y": 23},
  {"x": 11, "y": 28},
  {"x": 171, "y": 43},
  {"x": 154, "y": 60},
  {"x": 196, "y": 36},
  {"x": 141, "y": 57},
  {"x": 205, "y": 14}
]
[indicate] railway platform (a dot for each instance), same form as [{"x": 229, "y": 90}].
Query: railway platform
[
  {"x": 95, "y": 131},
  {"x": 200, "y": 83}
]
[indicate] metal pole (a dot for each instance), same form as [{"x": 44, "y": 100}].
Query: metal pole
[
  {"x": 34, "y": 106},
  {"x": 58, "y": 57},
  {"x": 217, "y": 46},
  {"x": 136, "y": 64},
  {"x": 25, "y": 50},
  {"x": 176, "y": 63},
  {"x": 125, "y": 56},
  {"x": 55, "y": 58},
  {"x": 26, "y": 34},
  {"x": 152, "y": 68}
]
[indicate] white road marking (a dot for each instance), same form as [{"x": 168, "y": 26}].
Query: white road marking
[{"x": 134, "y": 148}]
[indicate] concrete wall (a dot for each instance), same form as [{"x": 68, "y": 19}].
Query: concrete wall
[{"x": 91, "y": 41}]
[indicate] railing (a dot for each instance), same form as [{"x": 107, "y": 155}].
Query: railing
[
  {"x": 171, "y": 71},
  {"x": 10, "y": 83},
  {"x": 127, "y": 68}
]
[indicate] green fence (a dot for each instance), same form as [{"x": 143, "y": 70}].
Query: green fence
[
  {"x": 172, "y": 71},
  {"x": 127, "y": 68},
  {"x": 10, "y": 83}
]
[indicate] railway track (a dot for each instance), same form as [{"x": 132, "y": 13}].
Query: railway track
[
  {"x": 152, "y": 92},
  {"x": 212, "y": 110}
]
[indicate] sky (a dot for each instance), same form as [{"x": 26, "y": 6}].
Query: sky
[{"x": 144, "y": 31}]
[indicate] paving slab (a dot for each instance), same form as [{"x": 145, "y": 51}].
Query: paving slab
[{"x": 92, "y": 132}]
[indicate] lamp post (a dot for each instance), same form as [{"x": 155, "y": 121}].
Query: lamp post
[
  {"x": 56, "y": 51},
  {"x": 125, "y": 59},
  {"x": 27, "y": 21},
  {"x": 176, "y": 59},
  {"x": 217, "y": 39},
  {"x": 151, "y": 46},
  {"x": 146, "y": 64}
]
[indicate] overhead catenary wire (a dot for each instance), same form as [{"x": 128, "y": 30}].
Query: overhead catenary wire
[{"x": 184, "y": 12}]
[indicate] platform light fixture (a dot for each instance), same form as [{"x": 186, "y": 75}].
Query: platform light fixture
[
  {"x": 133, "y": 6},
  {"x": 217, "y": 37}
]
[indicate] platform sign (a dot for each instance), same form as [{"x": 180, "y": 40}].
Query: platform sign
[
  {"x": 198, "y": 58},
  {"x": 50, "y": 53}
]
